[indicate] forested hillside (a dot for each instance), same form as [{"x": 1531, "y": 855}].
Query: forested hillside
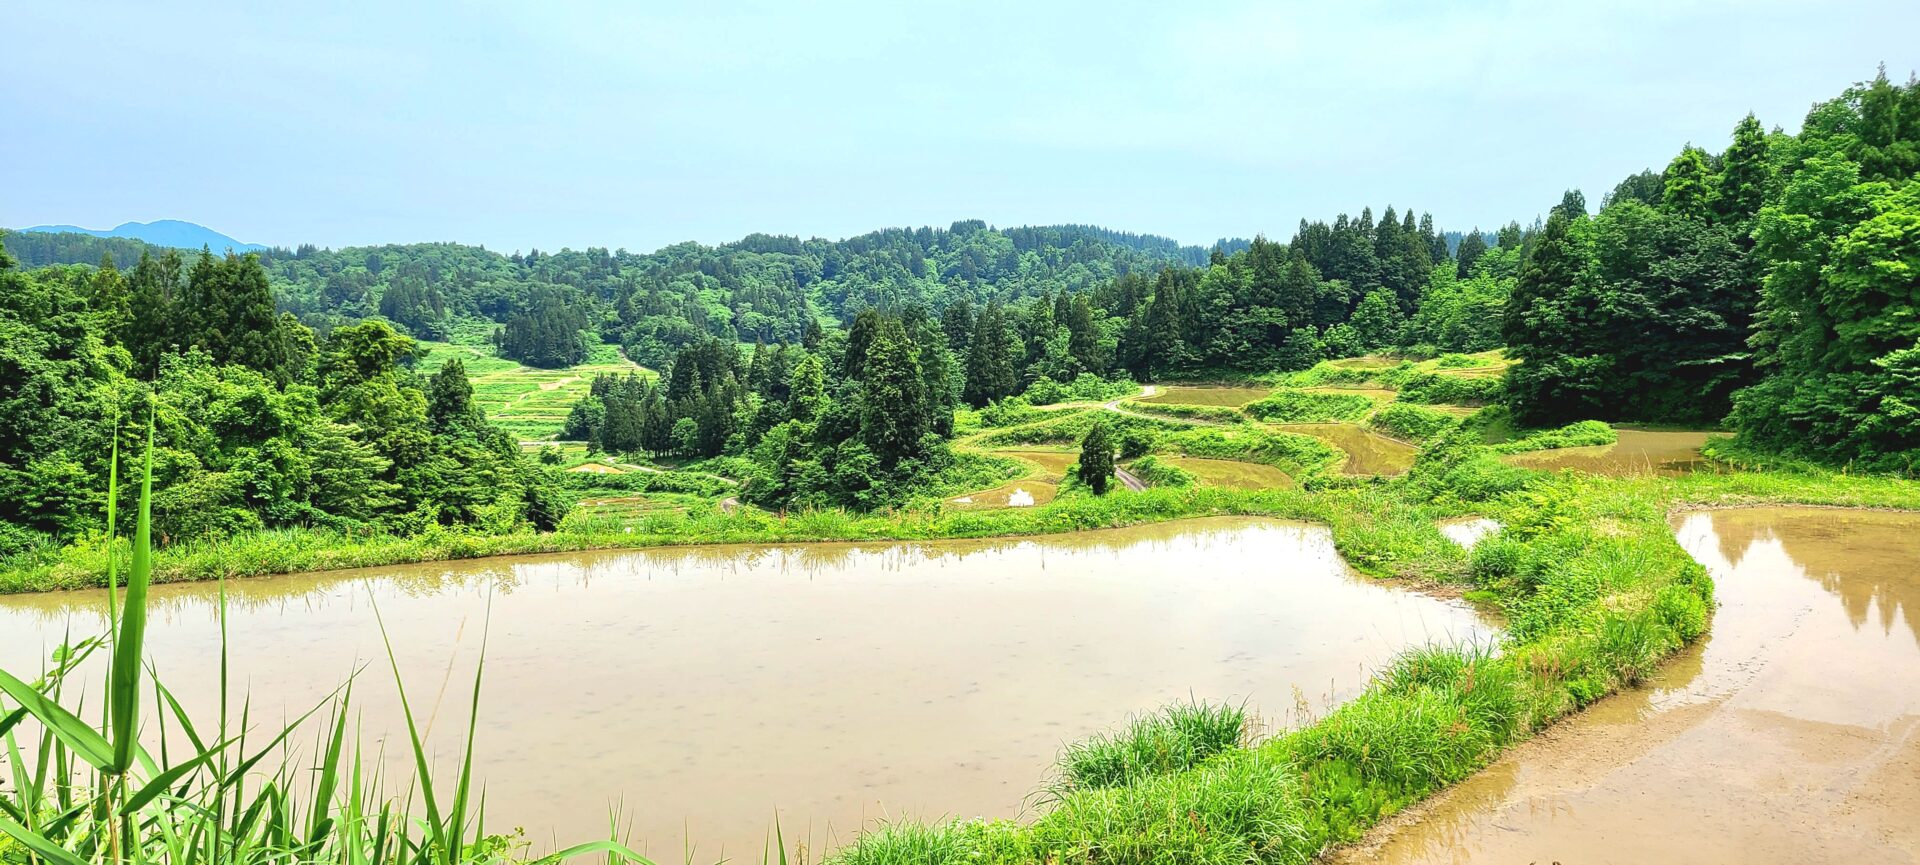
[
  {"x": 761, "y": 288},
  {"x": 1775, "y": 284}
]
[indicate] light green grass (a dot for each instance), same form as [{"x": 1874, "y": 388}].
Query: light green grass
[{"x": 528, "y": 402}]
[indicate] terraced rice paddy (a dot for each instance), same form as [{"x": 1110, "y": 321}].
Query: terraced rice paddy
[
  {"x": 1638, "y": 452},
  {"x": 1234, "y": 474},
  {"x": 1018, "y": 494},
  {"x": 1038, "y": 488},
  {"x": 529, "y": 403},
  {"x": 1368, "y": 452},
  {"x": 1232, "y": 396},
  {"x": 1365, "y": 362},
  {"x": 1377, "y": 394}
]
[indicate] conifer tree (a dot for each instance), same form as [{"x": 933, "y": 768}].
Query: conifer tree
[
  {"x": 894, "y": 414},
  {"x": 1745, "y": 173},
  {"x": 1096, "y": 458},
  {"x": 1686, "y": 186}
]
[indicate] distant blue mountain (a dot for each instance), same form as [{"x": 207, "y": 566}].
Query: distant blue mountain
[{"x": 162, "y": 232}]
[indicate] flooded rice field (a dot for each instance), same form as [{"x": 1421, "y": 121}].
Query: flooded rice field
[
  {"x": 701, "y": 691},
  {"x": 1232, "y": 396},
  {"x": 1050, "y": 468},
  {"x": 1377, "y": 394},
  {"x": 1638, "y": 452},
  {"x": 1368, "y": 452},
  {"x": 1790, "y": 734}
]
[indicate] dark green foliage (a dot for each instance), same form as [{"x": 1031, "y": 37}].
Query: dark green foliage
[
  {"x": 1471, "y": 248},
  {"x": 1637, "y": 314},
  {"x": 255, "y": 426},
  {"x": 1782, "y": 270},
  {"x": 1096, "y": 458},
  {"x": 894, "y": 409},
  {"x": 547, "y": 332},
  {"x": 989, "y": 372}
]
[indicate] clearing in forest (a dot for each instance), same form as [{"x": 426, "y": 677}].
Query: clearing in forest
[{"x": 528, "y": 402}]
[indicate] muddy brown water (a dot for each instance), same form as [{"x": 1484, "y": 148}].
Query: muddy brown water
[
  {"x": 698, "y": 690},
  {"x": 1790, "y": 734},
  {"x": 1368, "y": 452},
  {"x": 1638, "y": 452}
]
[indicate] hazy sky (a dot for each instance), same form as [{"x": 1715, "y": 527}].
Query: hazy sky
[{"x": 548, "y": 124}]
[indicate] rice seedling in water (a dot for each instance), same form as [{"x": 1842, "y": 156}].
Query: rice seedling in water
[{"x": 95, "y": 793}]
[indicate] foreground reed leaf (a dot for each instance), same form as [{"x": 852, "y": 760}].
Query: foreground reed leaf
[
  {"x": 165, "y": 779},
  {"x": 83, "y": 739},
  {"x": 610, "y": 847},
  {"x": 130, "y": 639},
  {"x": 35, "y": 842}
]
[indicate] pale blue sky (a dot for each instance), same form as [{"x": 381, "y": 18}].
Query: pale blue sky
[{"x": 640, "y": 124}]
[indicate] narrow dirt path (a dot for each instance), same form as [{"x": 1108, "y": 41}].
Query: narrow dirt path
[{"x": 1128, "y": 480}]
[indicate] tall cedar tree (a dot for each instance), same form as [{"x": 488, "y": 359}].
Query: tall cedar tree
[{"x": 1096, "y": 458}]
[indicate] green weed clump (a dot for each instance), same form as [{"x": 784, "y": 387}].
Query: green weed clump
[
  {"x": 1180, "y": 736},
  {"x": 1586, "y": 433}
]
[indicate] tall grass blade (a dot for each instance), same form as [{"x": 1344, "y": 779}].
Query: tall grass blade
[
  {"x": 77, "y": 734},
  {"x": 458, "y": 819},
  {"x": 39, "y": 844},
  {"x": 434, "y": 825},
  {"x": 129, "y": 643},
  {"x": 329, "y": 774}
]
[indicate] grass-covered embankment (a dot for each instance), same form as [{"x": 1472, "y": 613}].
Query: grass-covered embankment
[
  {"x": 295, "y": 550},
  {"x": 1595, "y": 592}
]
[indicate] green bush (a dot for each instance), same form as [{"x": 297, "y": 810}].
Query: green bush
[{"x": 1012, "y": 411}]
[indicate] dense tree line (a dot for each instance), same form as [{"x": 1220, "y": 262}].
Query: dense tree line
[
  {"x": 762, "y": 288},
  {"x": 1774, "y": 283},
  {"x": 1334, "y": 290},
  {"x": 257, "y": 422}
]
